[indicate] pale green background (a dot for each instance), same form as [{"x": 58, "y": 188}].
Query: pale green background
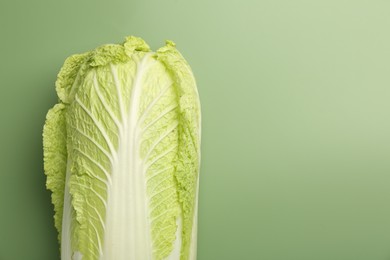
[{"x": 296, "y": 119}]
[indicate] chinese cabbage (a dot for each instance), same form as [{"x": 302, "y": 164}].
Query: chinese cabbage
[{"x": 122, "y": 154}]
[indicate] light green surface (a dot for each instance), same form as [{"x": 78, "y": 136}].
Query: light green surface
[{"x": 296, "y": 119}]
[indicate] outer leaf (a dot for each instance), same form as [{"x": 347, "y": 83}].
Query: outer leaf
[
  {"x": 188, "y": 160},
  {"x": 70, "y": 75},
  {"x": 55, "y": 158}
]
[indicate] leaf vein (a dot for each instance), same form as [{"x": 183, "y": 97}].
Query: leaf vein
[
  {"x": 100, "y": 128},
  {"x": 103, "y": 101},
  {"x": 98, "y": 165},
  {"x": 104, "y": 151}
]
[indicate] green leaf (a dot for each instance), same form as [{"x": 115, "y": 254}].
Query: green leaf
[{"x": 55, "y": 159}]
